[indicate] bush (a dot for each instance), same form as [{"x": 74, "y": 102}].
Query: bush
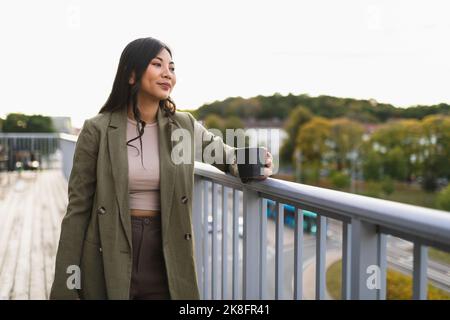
[
  {"x": 311, "y": 173},
  {"x": 387, "y": 185},
  {"x": 340, "y": 180},
  {"x": 443, "y": 199},
  {"x": 399, "y": 286}
]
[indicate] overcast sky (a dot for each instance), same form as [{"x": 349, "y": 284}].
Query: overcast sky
[{"x": 59, "y": 57}]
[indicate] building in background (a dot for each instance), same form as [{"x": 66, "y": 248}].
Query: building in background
[{"x": 63, "y": 124}]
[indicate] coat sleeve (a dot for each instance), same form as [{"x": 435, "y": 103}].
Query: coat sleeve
[
  {"x": 204, "y": 138},
  {"x": 81, "y": 189}
]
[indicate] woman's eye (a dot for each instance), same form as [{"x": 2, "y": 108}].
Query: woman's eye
[{"x": 159, "y": 65}]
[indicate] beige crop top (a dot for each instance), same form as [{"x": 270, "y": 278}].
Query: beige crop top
[{"x": 144, "y": 181}]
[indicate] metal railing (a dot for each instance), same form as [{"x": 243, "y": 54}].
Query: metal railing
[
  {"x": 41, "y": 145},
  {"x": 366, "y": 222}
]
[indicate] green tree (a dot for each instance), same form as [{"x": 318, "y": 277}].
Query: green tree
[
  {"x": 398, "y": 144},
  {"x": 38, "y": 123},
  {"x": 372, "y": 166},
  {"x": 312, "y": 139},
  {"x": 213, "y": 121},
  {"x": 234, "y": 122},
  {"x": 436, "y": 150},
  {"x": 19, "y": 122},
  {"x": 297, "y": 118},
  {"x": 395, "y": 163},
  {"x": 16, "y": 122},
  {"x": 346, "y": 136}
]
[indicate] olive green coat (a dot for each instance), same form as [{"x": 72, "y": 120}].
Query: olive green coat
[{"x": 96, "y": 230}]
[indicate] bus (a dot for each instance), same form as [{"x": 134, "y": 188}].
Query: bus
[{"x": 309, "y": 218}]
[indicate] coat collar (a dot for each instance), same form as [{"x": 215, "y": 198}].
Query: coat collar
[{"x": 118, "y": 154}]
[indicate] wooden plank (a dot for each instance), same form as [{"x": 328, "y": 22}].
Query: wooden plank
[
  {"x": 37, "y": 276},
  {"x": 30, "y": 223},
  {"x": 21, "y": 286},
  {"x": 50, "y": 234},
  {"x": 6, "y": 275},
  {"x": 6, "y": 219},
  {"x": 10, "y": 259}
]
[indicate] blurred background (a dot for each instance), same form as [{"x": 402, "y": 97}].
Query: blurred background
[{"x": 357, "y": 89}]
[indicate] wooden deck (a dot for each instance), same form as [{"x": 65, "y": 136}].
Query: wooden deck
[{"x": 31, "y": 208}]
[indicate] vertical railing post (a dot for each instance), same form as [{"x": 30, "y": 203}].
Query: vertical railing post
[
  {"x": 197, "y": 221},
  {"x": 321, "y": 251},
  {"x": 420, "y": 261},
  {"x": 206, "y": 248},
  {"x": 298, "y": 255},
  {"x": 236, "y": 254},
  {"x": 365, "y": 280},
  {"x": 225, "y": 218},
  {"x": 346, "y": 260},
  {"x": 279, "y": 252},
  {"x": 252, "y": 211},
  {"x": 382, "y": 262},
  {"x": 215, "y": 244},
  {"x": 263, "y": 252}
]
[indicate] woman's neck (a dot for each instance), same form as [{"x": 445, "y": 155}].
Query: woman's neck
[{"x": 147, "y": 109}]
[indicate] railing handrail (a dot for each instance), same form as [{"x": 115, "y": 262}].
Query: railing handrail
[
  {"x": 68, "y": 137},
  {"x": 29, "y": 135},
  {"x": 430, "y": 226}
]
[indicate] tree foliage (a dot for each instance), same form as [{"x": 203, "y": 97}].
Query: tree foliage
[{"x": 18, "y": 122}]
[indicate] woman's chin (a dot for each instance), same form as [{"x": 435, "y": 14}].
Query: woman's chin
[
  {"x": 164, "y": 96},
  {"x": 160, "y": 96}
]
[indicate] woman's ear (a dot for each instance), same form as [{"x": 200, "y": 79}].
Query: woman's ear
[{"x": 132, "y": 78}]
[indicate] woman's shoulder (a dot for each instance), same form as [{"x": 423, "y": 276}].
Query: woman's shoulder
[
  {"x": 100, "y": 119},
  {"x": 184, "y": 117}
]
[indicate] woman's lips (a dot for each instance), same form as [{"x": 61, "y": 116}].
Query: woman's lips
[{"x": 164, "y": 86}]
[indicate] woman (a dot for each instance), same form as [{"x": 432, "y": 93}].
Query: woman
[{"x": 127, "y": 232}]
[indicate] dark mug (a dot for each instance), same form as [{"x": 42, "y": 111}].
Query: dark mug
[{"x": 250, "y": 162}]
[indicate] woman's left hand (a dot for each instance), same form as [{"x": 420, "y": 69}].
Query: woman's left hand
[{"x": 268, "y": 169}]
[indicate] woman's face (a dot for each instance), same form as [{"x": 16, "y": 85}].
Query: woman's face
[{"x": 159, "y": 78}]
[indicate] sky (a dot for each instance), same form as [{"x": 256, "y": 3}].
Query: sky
[{"x": 59, "y": 58}]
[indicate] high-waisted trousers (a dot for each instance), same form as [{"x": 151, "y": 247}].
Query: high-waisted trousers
[{"x": 149, "y": 276}]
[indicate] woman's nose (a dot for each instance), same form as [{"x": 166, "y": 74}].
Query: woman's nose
[{"x": 166, "y": 73}]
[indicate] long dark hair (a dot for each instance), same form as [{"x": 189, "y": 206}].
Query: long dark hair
[{"x": 135, "y": 57}]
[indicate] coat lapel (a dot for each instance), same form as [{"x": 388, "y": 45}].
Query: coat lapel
[
  {"x": 118, "y": 154},
  {"x": 167, "y": 169},
  {"x": 117, "y": 147}
]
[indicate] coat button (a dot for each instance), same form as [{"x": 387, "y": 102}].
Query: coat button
[
  {"x": 187, "y": 236},
  {"x": 101, "y": 210},
  {"x": 184, "y": 199}
]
